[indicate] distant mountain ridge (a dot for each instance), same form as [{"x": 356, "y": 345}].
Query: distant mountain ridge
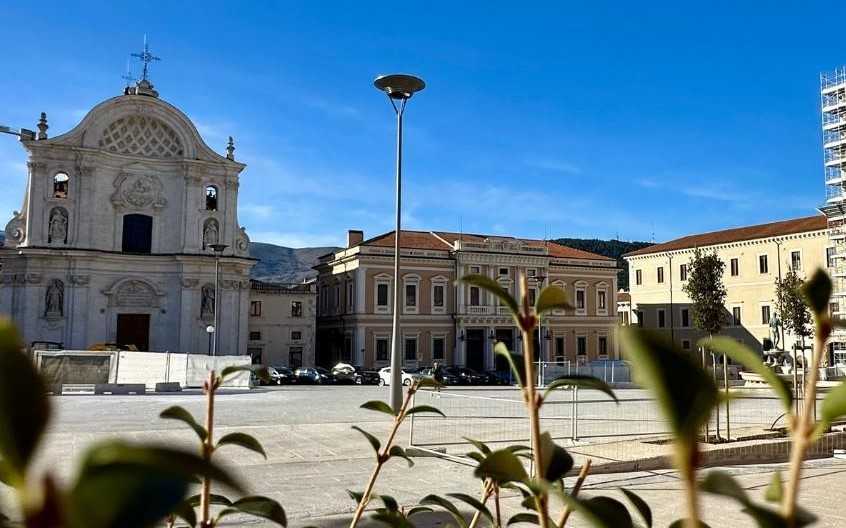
[
  {"x": 284, "y": 264},
  {"x": 614, "y": 249}
]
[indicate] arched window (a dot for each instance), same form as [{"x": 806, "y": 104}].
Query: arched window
[
  {"x": 60, "y": 185},
  {"x": 211, "y": 198},
  {"x": 137, "y": 233}
]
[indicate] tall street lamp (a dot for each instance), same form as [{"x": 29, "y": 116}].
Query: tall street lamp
[
  {"x": 218, "y": 251},
  {"x": 399, "y": 88}
]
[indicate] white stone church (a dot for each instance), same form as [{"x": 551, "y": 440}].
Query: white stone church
[{"x": 111, "y": 244}]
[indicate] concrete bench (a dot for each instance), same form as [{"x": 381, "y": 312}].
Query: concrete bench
[{"x": 120, "y": 388}]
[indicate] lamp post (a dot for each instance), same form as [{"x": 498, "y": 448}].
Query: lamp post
[
  {"x": 210, "y": 331},
  {"x": 399, "y": 88},
  {"x": 218, "y": 250},
  {"x": 539, "y": 281}
]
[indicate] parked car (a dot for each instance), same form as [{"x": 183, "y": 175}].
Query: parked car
[
  {"x": 446, "y": 377},
  {"x": 313, "y": 375},
  {"x": 500, "y": 377},
  {"x": 365, "y": 377},
  {"x": 385, "y": 377},
  {"x": 468, "y": 376},
  {"x": 343, "y": 373},
  {"x": 284, "y": 375}
]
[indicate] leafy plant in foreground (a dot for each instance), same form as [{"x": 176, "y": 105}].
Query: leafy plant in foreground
[
  {"x": 255, "y": 505},
  {"x": 118, "y": 484}
]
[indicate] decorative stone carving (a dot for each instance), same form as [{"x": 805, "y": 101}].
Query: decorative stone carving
[
  {"x": 32, "y": 278},
  {"x": 135, "y": 293},
  {"x": 57, "y": 232},
  {"x": 15, "y": 230},
  {"x": 141, "y": 135},
  {"x": 80, "y": 280},
  {"x": 211, "y": 233},
  {"x": 138, "y": 191},
  {"x": 242, "y": 244},
  {"x": 189, "y": 283},
  {"x": 54, "y": 300},
  {"x": 207, "y": 303}
]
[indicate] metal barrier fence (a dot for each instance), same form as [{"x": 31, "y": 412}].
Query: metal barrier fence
[
  {"x": 587, "y": 422},
  {"x": 610, "y": 371}
]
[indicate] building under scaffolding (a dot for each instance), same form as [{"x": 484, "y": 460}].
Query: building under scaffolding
[{"x": 833, "y": 94}]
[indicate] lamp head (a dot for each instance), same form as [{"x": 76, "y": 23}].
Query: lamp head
[
  {"x": 399, "y": 86},
  {"x": 218, "y": 248}
]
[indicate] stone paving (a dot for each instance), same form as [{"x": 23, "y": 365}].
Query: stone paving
[{"x": 314, "y": 456}]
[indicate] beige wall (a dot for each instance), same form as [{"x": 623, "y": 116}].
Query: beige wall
[
  {"x": 749, "y": 289},
  {"x": 276, "y": 324}
]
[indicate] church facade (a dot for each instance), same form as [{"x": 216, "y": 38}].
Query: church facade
[{"x": 112, "y": 242}]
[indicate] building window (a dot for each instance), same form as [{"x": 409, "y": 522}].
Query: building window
[
  {"x": 296, "y": 335},
  {"x": 137, "y": 234},
  {"x": 660, "y": 274},
  {"x": 350, "y": 296},
  {"x": 531, "y": 272},
  {"x": 381, "y": 349},
  {"x": 581, "y": 345},
  {"x": 411, "y": 349},
  {"x": 762, "y": 264},
  {"x": 438, "y": 346},
  {"x": 211, "y": 198},
  {"x": 833, "y": 310},
  {"x": 640, "y": 318},
  {"x": 735, "y": 267},
  {"x": 474, "y": 296},
  {"x": 580, "y": 300},
  {"x": 533, "y": 295},
  {"x": 601, "y": 301},
  {"x": 796, "y": 260},
  {"x": 686, "y": 344},
  {"x": 296, "y": 309},
  {"x": 411, "y": 296},
  {"x": 662, "y": 316},
  {"x": 602, "y": 344},
  {"x": 438, "y": 291},
  {"x": 683, "y": 272},
  {"x": 503, "y": 272},
  {"x": 829, "y": 256},
  {"x": 475, "y": 270},
  {"x": 255, "y": 354},
  {"x": 60, "y": 185},
  {"x": 559, "y": 349},
  {"x": 685, "y": 317},
  {"x": 255, "y": 308},
  {"x": 382, "y": 296},
  {"x": 638, "y": 277},
  {"x": 255, "y": 336},
  {"x": 735, "y": 316},
  {"x": 765, "y": 315},
  {"x": 295, "y": 357}
]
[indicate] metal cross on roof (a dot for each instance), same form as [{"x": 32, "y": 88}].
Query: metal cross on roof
[{"x": 145, "y": 57}]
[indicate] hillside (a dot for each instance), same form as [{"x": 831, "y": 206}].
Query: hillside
[
  {"x": 283, "y": 264},
  {"x": 607, "y": 248}
]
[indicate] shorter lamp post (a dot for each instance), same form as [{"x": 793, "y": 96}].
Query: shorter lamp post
[
  {"x": 539, "y": 281},
  {"x": 210, "y": 331},
  {"x": 218, "y": 251}
]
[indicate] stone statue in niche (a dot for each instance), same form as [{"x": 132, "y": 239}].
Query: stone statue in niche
[
  {"x": 58, "y": 229},
  {"x": 211, "y": 233},
  {"x": 54, "y": 300},
  {"x": 207, "y": 305}
]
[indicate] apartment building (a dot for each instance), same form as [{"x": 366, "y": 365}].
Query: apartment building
[
  {"x": 754, "y": 257},
  {"x": 281, "y": 323},
  {"x": 441, "y": 321}
]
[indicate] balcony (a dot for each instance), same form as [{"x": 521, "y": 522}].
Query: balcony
[{"x": 479, "y": 310}]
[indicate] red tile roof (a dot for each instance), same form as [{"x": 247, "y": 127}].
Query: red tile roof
[
  {"x": 435, "y": 240},
  {"x": 738, "y": 234}
]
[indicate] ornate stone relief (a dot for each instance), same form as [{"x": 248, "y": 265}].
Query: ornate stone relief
[
  {"x": 242, "y": 243},
  {"x": 211, "y": 233},
  {"x": 141, "y": 135},
  {"x": 189, "y": 283},
  {"x": 134, "y": 293},
  {"x": 138, "y": 191},
  {"x": 15, "y": 230},
  {"x": 207, "y": 303},
  {"x": 80, "y": 280}
]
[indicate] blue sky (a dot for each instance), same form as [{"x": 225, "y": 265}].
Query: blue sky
[{"x": 589, "y": 119}]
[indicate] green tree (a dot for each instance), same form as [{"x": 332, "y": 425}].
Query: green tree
[
  {"x": 706, "y": 290},
  {"x": 791, "y": 307}
]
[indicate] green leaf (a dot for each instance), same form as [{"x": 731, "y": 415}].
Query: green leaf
[
  {"x": 260, "y": 371},
  {"x": 475, "y": 455},
  {"x": 355, "y": 496},
  {"x": 262, "y": 507},
  {"x": 475, "y": 503},
  {"x": 481, "y": 446},
  {"x": 435, "y": 500},
  {"x": 185, "y": 511},
  {"x": 682, "y": 523},
  {"x": 749, "y": 359},
  {"x": 721, "y": 483},
  {"x": 555, "y": 461},
  {"x": 397, "y": 451},
  {"x": 832, "y": 408},
  {"x": 178, "y": 413},
  {"x": 24, "y": 408},
  {"x": 194, "y": 500},
  {"x": 390, "y": 503},
  {"x": 493, "y": 287},
  {"x": 502, "y": 466},
  {"x": 424, "y": 408},
  {"x": 418, "y": 509},
  {"x": 817, "y": 291},
  {"x": 5, "y": 473},
  {"x": 641, "y": 506},
  {"x": 530, "y": 518},
  {"x": 378, "y": 406},
  {"x": 685, "y": 393},
  {"x": 601, "y": 512},
  {"x": 551, "y": 298},
  {"x": 370, "y": 438},
  {"x": 515, "y": 363},
  {"x": 243, "y": 440},
  {"x": 774, "y": 491},
  {"x": 581, "y": 381}
]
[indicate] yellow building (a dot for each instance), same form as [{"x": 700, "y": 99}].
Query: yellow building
[{"x": 754, "y": 257}]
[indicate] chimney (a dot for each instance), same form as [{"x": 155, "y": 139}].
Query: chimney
[{"x": 354, "y": 237}]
